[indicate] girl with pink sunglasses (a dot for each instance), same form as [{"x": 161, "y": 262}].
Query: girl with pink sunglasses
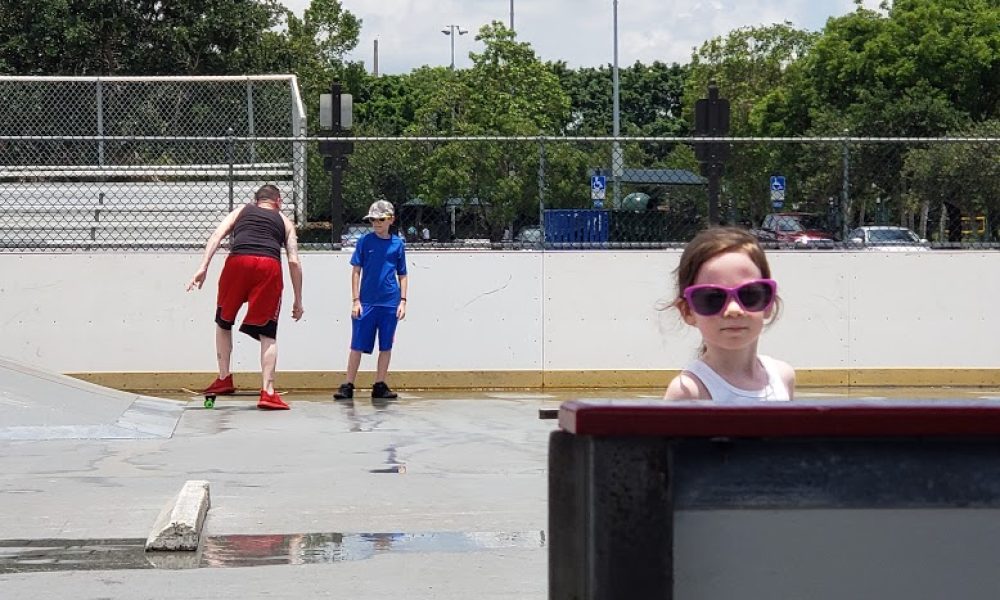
[{"x": 724, "y": 288}]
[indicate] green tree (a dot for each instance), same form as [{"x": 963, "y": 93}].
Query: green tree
[
  {"x": 104, "y": 37},
  {"x": 949, "y": 46},
  {"x": 749, "y": 65},
  {"x": 650, "y": 99},
  {"x": 964, "y": 175},
  {"x": 507, "y": 92},
  {"x": 511, "y": 91},
  {"x": 919, "y": 68}
]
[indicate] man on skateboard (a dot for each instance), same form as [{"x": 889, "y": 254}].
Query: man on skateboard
[{"x": 252, "y": 275}]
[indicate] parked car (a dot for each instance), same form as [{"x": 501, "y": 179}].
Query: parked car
[
  {"x": 529, "y": 237},
  {"x": 354, "y": 232},
  {"x": 886, "y": 237},
  {"x": 796, "y": 227}
]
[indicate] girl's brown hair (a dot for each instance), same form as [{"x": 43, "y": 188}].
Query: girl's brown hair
[{"x": 711, "y": 243}]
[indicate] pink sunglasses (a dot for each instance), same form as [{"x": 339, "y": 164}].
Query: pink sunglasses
[{"x": 752, "y": 296}]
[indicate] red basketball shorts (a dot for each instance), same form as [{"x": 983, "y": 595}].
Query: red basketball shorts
[{"x": 257, "y": 282}]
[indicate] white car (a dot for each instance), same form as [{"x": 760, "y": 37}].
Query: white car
[
  {"x": 354, "y": 232},
  {"x": 887, "y": 237},
  {"x": 529, "y": 237}
]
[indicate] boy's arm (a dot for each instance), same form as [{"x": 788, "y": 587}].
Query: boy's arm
[
  {"x": 356, "y": 291},
  {"x": 403, "y": 284}
]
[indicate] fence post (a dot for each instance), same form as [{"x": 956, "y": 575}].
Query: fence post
[
  {"x": 541, "y": 191},
  {"x": 230, "y": 157},
  {"x": 845, "y": 198},
  {"x": 100, "y": 122},
  {"x": 251, "y": 127}
]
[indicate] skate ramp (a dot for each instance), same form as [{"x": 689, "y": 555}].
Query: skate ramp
[{"x": 40, "y": 405}]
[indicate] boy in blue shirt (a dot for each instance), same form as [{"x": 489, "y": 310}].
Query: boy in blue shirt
[{"x": 378, "y": 286}]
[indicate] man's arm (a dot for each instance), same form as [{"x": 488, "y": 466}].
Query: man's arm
[
  {"x": 294, "y": 267},
  {"x": 214, "y": 241}
]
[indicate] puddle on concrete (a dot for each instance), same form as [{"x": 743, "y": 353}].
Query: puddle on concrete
[{"x": 27, "y": 556}]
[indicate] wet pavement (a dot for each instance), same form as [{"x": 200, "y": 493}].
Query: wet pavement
[
  {"x": 424, "y": 497},
  {"x": 454, "y": 481},
  {"x": 232, "y": 551}
]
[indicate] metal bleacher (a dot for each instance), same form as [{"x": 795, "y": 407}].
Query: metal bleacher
[
  {"x": 143, "y": 162},
  {"x": 179, "y": 212}
]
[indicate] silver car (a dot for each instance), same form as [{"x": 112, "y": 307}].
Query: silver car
[{"x": 887, "y": 237}]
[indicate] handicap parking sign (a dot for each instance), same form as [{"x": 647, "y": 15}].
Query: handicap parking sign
[
  {"x": 777, "y": 191},
  {"x": 598, "y": 187}
]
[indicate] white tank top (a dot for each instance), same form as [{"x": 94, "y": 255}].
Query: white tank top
[{"x": 725, "y": 393}]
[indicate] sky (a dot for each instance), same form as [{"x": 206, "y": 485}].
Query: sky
[{"x": 579, "y": 32}]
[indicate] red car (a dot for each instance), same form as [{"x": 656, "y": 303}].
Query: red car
[{"x": 794, "y": 227}]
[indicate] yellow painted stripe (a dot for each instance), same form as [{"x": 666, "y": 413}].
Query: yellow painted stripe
[{"x": 570, "y": 379}]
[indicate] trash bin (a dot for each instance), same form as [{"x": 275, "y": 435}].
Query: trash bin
[{"x": 576, "y": 226}]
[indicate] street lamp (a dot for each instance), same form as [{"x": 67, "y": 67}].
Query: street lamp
[{"x": 451, "y": 32}]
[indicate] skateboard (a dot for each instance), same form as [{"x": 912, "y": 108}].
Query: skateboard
[{"x": 210, "y": 398}]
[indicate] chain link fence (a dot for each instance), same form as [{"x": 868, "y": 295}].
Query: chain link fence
[
  {"x": 142, "y": 162},
  {"x": 526, "y": 193},
  {"x": 553, "y": 193}
]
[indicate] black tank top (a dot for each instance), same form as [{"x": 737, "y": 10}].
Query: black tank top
[{"x": 258, "y": 232}]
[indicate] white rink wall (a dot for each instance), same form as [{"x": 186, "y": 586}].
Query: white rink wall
[{"x": 504, "y": 311}]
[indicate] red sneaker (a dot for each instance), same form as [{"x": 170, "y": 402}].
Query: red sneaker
[
  {"x": 221, "y": 387},
  {"x": 271, "y": 401}
]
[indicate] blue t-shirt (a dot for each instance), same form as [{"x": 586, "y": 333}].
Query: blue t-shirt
[{"x": 381, "y": 260}]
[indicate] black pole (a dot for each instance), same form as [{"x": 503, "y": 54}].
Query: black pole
[
  {"x": 712, "y": 120},
  {"x": 336, "y": 170},
  {"x": 713, "y": 194}
]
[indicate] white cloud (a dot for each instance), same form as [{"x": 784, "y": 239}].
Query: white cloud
[{"x": 579, "y": 32}]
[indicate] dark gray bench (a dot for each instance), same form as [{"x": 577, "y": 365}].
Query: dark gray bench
[{"x": 819, "y": 500}]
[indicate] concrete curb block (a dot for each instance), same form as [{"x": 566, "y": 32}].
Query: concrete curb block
[{"x": 179, "y": 525}]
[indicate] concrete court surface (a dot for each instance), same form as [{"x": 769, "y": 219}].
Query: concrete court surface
[
  {"x": 444, "y": 469},
  {"x": 437, "y": 495}
]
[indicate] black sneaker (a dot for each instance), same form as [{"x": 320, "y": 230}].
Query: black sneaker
[
  {"x": 381, "y": 390},
  {"x": 344, "y": 392}
]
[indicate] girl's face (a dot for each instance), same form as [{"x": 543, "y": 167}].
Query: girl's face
[{"x": 733, "y": 328}]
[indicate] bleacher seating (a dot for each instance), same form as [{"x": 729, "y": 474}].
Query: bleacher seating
[{"x": 147, "y": 206}]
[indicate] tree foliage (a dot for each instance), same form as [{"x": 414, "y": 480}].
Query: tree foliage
[
  {"x": 650, "y": 99},
  {"x": 915, "y": 68},
  {"x": 145, "y": 37}
]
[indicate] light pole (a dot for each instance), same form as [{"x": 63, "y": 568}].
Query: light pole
[
  {"x": 512, "y": 15},
  {"x": 616, "y": 151},
  {"x": 451, "y": 33}
]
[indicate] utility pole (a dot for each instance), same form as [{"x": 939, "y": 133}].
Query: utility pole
[{"x": 711, "y": 119}]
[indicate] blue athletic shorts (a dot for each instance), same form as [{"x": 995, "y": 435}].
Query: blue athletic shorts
[{"x": 374, "y": 319}]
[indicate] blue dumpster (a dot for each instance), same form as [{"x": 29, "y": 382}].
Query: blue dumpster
[{"x": 576, "y": 226}]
